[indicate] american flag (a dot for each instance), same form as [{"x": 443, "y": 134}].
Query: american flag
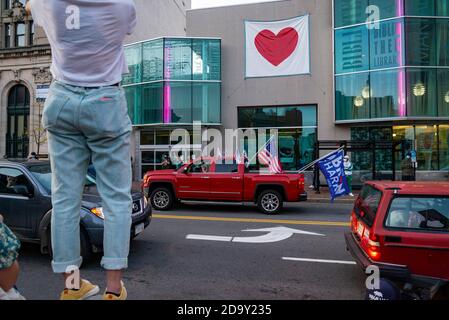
[{"x": 269, "y": 156}]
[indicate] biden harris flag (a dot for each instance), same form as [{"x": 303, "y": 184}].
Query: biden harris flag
[
  {"x": 333, "y": 169},
  {"x": 277, "y": 48}
]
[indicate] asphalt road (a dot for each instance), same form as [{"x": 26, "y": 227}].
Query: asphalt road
[{"x": 164, "y": 264}]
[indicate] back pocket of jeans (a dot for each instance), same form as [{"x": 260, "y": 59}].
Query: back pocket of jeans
[{"x": 52, "y": 109}]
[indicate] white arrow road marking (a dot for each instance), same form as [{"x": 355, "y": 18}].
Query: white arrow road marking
[
  {"x": 274, "y": 235},
  {"x": 209, "y": 238},
  {"x": 320, "y": 260}
]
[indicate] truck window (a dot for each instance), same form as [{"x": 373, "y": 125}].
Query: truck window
[
  {"x": 200, "y": 166},
  {"x": 367, "y": 204},
  {"x": 223, "y": 167},
  {"x": 419, "y": 213}
]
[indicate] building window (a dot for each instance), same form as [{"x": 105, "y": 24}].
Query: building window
[
  {"x": 31, "y": 33},
  {"x": 7, "y": 35},
  {"x": 297, "y": 131},
  {"x": 20, "y": 34},
  {"x": 352, "y": 96},
  {"x": 17, "y": 123},
  {"x": 174, "y": 81}
]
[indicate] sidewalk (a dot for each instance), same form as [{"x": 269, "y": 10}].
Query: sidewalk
[{"x": 324, "y": 197}]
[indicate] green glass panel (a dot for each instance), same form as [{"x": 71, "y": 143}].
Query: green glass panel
[
  {"x": 178, "y": 59},
  {"x": 442, "y": 7},
  {"x": 133, "y": 99},
  {"x": 387, "y": 47},
  {"x": 351, "y": 49},
  {"x": 152, "y": 103},
  {"x": 444, "y": 147},
  {"x": 206, "y": 58},
  {"x": 420, "y": 42},
  {"x": 421, "y": 92},
  {"x": 180, "y": 101},
  {"x": 420, "y": 7},
  {"x": 133, "y": 55},
  {"x": 352, "y": 96},
  {"x": 206, "y": 102},
  {"x": 349, "y": 12},
  {"x": 442, "y": 42},
  {"x": 153, "y": 60},
  {"x": 387, "y": 8},
  {"x": 443, "y": 92},
  {"x": 385, "y": 93}
]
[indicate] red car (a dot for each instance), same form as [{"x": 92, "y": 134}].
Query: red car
[
  {"x": 209, "y": 180},
  {"x": 403, "y": 228}
]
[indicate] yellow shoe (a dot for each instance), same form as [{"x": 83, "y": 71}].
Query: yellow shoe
[
  {"x": 110, "y": 296},
  {"x": 86, "y": 290}
]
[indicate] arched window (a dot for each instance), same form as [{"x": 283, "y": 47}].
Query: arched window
[{"x": 18, "y": 119}]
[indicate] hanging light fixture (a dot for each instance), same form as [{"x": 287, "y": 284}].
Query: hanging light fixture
[
  {"x": 358, "y": 101},
  {"x": 366, "y": 93},
  {"x": 446, "y": 97},
  {"x": 419, "y": 89}
]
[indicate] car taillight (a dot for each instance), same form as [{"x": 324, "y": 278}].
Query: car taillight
[
  {"x": 301, "y": 182},
  {"x": 354, "y": 222},
  {"x": 374, "y": 247}
]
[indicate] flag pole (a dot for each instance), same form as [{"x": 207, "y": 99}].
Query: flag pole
[
  {"x": 318, "y": 160},
  {"x": 266, "y": 143}
]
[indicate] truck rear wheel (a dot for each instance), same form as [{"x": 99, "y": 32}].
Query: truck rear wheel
[
  {"x": 270, "y": 202},
  {"x": 162, "y": 199}
]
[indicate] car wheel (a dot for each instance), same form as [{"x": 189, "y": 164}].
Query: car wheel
[
  {"x": 85, "y": 246},
  {"x": 270, "y": 202},
  {"x": 162, "y": 199}
]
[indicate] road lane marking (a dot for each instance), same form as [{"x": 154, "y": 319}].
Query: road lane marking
[
  {"x": 320, "y": 261},
  {"x": 208, "y": 238},
  {"x": 273, "y": 221}
]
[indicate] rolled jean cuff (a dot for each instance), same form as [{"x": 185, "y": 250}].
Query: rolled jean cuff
[
  {"x": 114, "y": 264},
  {"x": 63, "y": 267}
]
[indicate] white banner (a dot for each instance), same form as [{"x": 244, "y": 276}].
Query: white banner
[{"x": 277, "y": 48}]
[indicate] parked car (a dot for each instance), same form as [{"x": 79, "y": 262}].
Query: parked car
[
  {"x": 25, "y": 203},
  {"x": 209, "y": 180},
  {"x": 403, "y": 228}
]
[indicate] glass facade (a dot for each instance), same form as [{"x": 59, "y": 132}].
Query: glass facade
[
  {"x": 431, "y": 143},
  {"x": 174, "y": 81},
  {"x": 393, "y": 65},
  {"x": 297, "y": 131}
]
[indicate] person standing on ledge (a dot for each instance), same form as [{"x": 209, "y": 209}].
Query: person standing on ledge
[
  {"x": 349, "y": 167},
  {"x": 86, "y": 117}
]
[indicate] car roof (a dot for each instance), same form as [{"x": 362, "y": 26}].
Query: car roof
[
  {"x": 413, "y": 187},
  {"x": 25, "y": 163}
]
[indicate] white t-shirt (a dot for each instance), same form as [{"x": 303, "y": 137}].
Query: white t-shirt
[{"x": 86, "y": 38}]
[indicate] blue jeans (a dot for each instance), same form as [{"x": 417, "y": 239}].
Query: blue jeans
[{"x": 86, "y": 124}]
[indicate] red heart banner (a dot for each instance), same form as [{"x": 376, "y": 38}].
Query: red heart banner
[{"x": 277, "y": 48}]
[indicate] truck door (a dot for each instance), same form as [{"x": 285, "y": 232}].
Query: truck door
[
  {"x": 226, "y": 182},
  {"x": 194, "y": 184}
]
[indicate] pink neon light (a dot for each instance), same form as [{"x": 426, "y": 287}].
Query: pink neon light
[
  {"x": 167, "y": 88},
  {"x": 167, "y": 103},
  {"x": 399, "y": 8},
  {"x": 401, "y": 76}
]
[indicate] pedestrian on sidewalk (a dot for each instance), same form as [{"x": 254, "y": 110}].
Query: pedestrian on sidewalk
[
  {"x": 349, "y": 167},
  {"x": 9, "y": 267},
  {"x": 86, "y": 117},
  {"x": 408, "y": 170}
]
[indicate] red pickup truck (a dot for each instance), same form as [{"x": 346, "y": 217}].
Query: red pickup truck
[{"x": 211, "y": 180}]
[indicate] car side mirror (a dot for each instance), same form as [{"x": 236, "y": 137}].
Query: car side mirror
[
  {"x": 185, "y": 170},
  {"x": 22, "y": 190}
]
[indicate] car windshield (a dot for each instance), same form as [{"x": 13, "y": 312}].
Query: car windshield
[
  {"x": 42, "y": 173},
  {"x": 419, "y": 212}
]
